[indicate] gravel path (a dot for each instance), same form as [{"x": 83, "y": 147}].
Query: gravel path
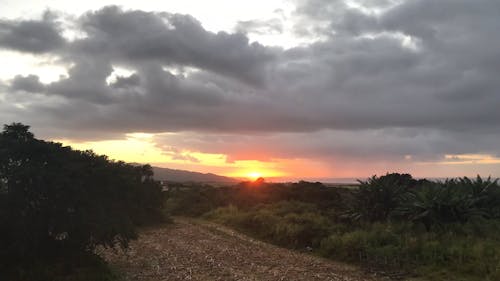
[{"x": 196, "y": 250}]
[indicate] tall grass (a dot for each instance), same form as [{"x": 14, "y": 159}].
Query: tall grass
[{"x": 287, "y": 223}]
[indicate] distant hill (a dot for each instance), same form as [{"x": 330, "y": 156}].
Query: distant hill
[{"x": 166, "y": 174}]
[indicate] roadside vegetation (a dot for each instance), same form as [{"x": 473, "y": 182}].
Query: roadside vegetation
[
  {"x": 434, "y": 230},
  {"x": 58, "y": 204}
]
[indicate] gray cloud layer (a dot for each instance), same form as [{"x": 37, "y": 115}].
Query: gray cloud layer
[
  {"x": 35, "y": 36},
  {"x": 426, "y": 68}
]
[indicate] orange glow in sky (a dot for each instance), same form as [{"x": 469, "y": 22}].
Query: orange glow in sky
[
  {"x": 254, "y": 175},
  {"x": 140, "y": 148}
]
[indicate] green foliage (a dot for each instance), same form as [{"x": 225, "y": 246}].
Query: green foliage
[
  {"x": 469, "y": 251},
  {"x": 453, "y": 201},
  {"x": 194, "y": 200},
  {"x": 375, "y": 243},
  {"x": 454, "y": 249},
  {"x": 58, "y": 202},
  {"x": 287, "y": 223},
  {"x": 377, "y": 197},
  {"x": 484, "y": 195},
  {"x": 400, "y": 197}
]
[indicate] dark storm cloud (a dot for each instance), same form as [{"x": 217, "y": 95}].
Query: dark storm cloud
[
  {"x": 86, "y": 81},
  {"x": 33, "y": 36},
  {"x": 416, "y": 78},
  {"x": 172, "y": 39}
]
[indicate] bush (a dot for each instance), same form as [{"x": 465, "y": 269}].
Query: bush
[
  {"x": 377, "y": 197},
  {"x": 195, "y": 199},
  {"x": 402, "y": 246},
  {"x": 288, "y": 223},
  {"x": 453, "y": 201}
]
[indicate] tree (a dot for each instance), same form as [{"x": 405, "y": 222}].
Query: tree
[{"x": 56, "y": 201}]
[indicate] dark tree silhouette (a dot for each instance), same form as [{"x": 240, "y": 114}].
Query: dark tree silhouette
[
  {"x": 377, "y": 197},
  {"x": 58, "y": 202}
]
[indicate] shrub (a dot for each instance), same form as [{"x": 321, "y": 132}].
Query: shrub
[
  {"x": 288, "y": 223},
  {"x": 456, "y": 200},
  {"x": 402, "y": 246},
  {"x": 377, "y": 197}
]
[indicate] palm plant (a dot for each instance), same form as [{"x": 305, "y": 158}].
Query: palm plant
[
  {"x": 452, "y": 201},
  {"x": 484, "y": 193},
  {"x": 377, "y": 197}
]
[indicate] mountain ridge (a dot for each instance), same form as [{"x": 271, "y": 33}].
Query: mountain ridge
[{"x": 176, "y": 175}]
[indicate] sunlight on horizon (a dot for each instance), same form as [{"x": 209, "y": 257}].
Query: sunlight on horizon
[
  {"x": 254, "y": 175},
  {"x": 140, "y": 148}
]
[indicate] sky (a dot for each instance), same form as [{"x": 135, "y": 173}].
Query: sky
[{"x": 279, "y": 88}]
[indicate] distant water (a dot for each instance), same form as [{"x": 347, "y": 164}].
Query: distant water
[
  {"x": 338, "y": 180},
  {"x": 355, "y": 180},
  {"x": 323, "y": 180}
]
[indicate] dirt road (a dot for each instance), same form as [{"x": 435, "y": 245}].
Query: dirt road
[{"x": 194, "y": 250}]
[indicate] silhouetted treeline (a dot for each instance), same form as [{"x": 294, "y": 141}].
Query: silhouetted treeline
[
  {"x": 57, "y": 204},
  {"x": 195, "y": 200}
]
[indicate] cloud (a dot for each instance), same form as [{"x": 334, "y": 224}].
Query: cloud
[
  {"x": 185, "y": 157},
  {"x": 30, "y": 84},
  {"x": 425, "y": 69},
  {"x": 394, "y": 145},
  {"x": 86, "y": 81},
  {"x": 177, "y": 154},
  {"x": 33, "y": 36},
  {"x": 172, "y": 39},
  {"x": 126, "y": 82},
  {"x": 263, "y": 27}
]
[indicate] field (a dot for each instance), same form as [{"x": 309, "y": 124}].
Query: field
[{"x": 392, "y": 224}]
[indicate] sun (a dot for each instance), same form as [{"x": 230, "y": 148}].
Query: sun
[{"x": 254, "y": 175}]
